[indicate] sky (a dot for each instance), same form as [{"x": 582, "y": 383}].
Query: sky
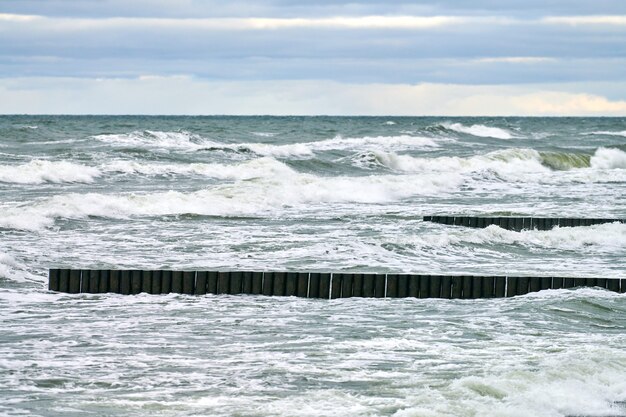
[{"x": 284, "y": 57}]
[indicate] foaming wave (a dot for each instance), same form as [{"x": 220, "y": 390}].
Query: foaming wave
[
  {"x": 13, "y": 270},
  {"x": 259, "y": 196},
  {"x": 186, "y": 141},
  {"x": 40, "y": 171},
  {"x": 609, "y": 133},
  {"x": 609, "y": 237},
  {"x": 513, "y": 164},
  {"x": 510, "y": 161},
  {"x": 182, "y": 140},
  {"x": 262, "y": 167},
  {"x": 606, "y": 238},
  {"x": 575, "y": 383},
  {"x": 373, "y": 142},
  {"x": 480, "y": 130},
  {"x": 609, "y": 158}
]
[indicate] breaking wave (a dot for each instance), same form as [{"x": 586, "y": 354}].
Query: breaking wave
[
  {"x": 609, "y": 133},
  {"x": 257, "y": 196},
  {"x": 504, "y": 162},
  {"x": 40, "y": 171},
  {"x": 262, "y": 167},
  {"x": 185, "y": 141},
  {"x": 480, "y": 130}
]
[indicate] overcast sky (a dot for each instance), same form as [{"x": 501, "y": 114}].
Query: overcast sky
[{"x": 482, "y": 57}]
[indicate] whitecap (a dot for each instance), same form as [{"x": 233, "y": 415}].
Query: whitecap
[
  {"x": 608, "y": 158},
  {"x": 40, "y": 171},
  {"x": 256, "y": 168},
  {"x": 480, "y": 130},
  {"x": 608, "y": 133},
  {"x": 266, "y": 195}
]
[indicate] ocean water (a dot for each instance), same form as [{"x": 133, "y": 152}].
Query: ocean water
[{"x": 309, "y": 194}]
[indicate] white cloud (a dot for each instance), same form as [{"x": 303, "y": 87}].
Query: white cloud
[
  {"x": 187, "y": 95},
  {"x": 251, "y": 23},
  {"x": 515, "y": 60},
  {"x": 560, "y": 103},
  {"x": 586, "y": 20}
]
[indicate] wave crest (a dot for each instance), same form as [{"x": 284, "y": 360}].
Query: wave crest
[
  {"x": 480, "y": 130},
  {"x": 40, "y": 171},
  {"x": 259, "y": 196}
]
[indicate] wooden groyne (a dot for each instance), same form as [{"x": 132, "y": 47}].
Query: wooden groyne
[
  {"x": 312, "y": 284},
  {"x": 518, "y": 223}
]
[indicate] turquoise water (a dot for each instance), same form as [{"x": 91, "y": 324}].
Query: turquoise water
[{"x": 314, "y": 194}]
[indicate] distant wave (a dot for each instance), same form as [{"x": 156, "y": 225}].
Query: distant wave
[
  {"x": 480, "y": 130},
  {"x": 185, "y": 141},
  {"x": 511, "y": 164},
  {"x": 256, "y": 168},
  {"x": 258, "y": 196},
  {"x": 182, "y": 140},
  {"x": 606, "y": 237},
  {"x": 610, "y": 237},
  {"x": 609, "y": 158},
  {"x": 13, "y": 270},
  {"x": 40, "y": 171},
  {"x": 609, "y": 133}
]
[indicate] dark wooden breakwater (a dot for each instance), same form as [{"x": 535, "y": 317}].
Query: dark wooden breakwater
[
  {"x": 313, "y": 284},
  {"x": 518, "y": 223}
]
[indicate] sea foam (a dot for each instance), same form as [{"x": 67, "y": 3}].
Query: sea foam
[
  {"x": 40, "y": 171},
  {"x": 258, "y": 196},
  {"x": 261, "y": 167},
  {"x": 480, "y": 130},
  {"x": 513, "y": 164},
  {"x": 185, "y": 141}
]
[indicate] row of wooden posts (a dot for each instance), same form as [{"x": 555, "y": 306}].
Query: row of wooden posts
[
  {"x": 518, "y": 223},
  {"x": 312, "y": 284}
]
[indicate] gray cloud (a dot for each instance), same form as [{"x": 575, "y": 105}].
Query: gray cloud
[{"x": 485, "y": 42}]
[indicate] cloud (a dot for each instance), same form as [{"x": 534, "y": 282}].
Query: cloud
[
  {"x": 559, "y": 103},
  {"x": 250, "y": 23},
  {"x": 153, "y": 94},
  {"x": 585, "y": 20},
  {"x": 516, "y": 59}
]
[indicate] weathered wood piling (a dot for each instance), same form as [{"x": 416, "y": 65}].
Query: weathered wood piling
[
  {"x": 518, "y": 223},
  {"x": 313, "y": 285}
]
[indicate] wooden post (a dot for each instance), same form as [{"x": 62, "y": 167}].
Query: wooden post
[
  {"x": 368, "y": 285},
  {"x": 357, "y": 285},
  {"x": 166, "y": 282},
  {"x": 53, "y": 279},
  {"x": 424, "y": 286},
  {"x": 392, "y": 286},
  {"x": 314, "y": 285},
  {"x": 189, "y": 282},
  {"x": 114, "y": 281},
  {"x": 201, "y": 282},
  {"x": 146, "y": 282},
  {"x": 414, "y": 286},
  {"x": 125, "y": 282},
  {"x": 135, "y": 281},
  {"x": 379, "y": 285},
  {"x": 177, "y": 282},
  {"x": 257, "y": 283},
  {"x": 291, "y": 284},
  {"x": 236, "y": 282},
  {"x": 279, "y": 283},
  {"x": 211, "y": 283},
  {"x": 157, "y": 282},
  {"x": 403, "y": 285},
  {"x": 325, "y": 285},
  {"x": 303, "y": 284},
  {"x": 435, "y": 286}
]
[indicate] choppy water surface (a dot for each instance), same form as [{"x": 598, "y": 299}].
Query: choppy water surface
[{"x": 312, "y": 194}]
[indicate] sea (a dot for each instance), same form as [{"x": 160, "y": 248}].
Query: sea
[{"x": 318, "y": 194}]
